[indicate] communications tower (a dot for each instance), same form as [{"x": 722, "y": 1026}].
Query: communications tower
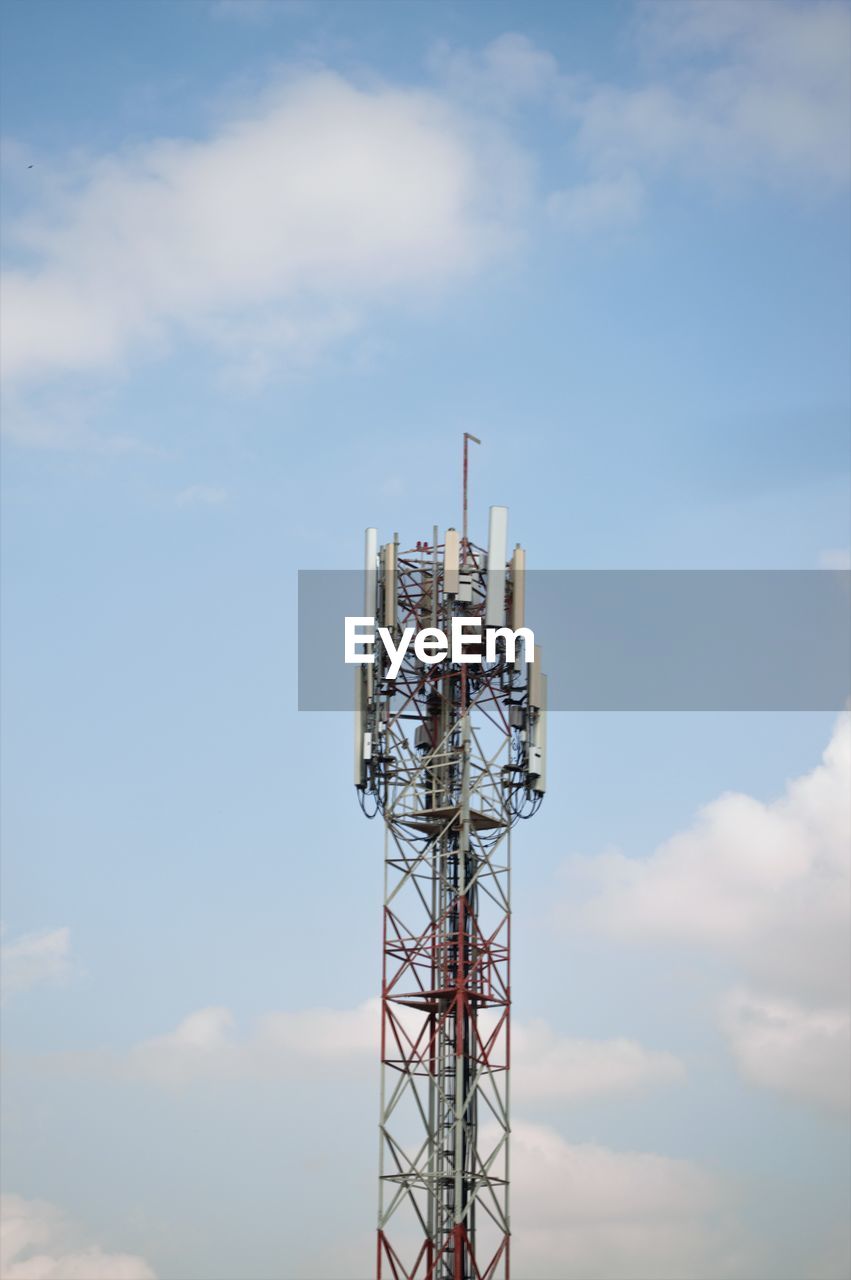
[{"x": 451, "y": 755}]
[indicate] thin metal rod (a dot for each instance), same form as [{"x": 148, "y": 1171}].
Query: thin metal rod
[{"x": 467, "y": 438}]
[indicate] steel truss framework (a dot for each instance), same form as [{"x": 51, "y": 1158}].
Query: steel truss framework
[{"x": 447, "y": 772}]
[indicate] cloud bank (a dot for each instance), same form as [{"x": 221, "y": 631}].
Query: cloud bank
[
  {"x": 769, "y": 887},
  {"x": 318, "y": 199},
  {"x": 208, "y": 1045},
  {"x": 587, "y": 1212},
  {"x": 37, "y": 1242},
  {"x": 547, "y": 1067},
  {"x": 326, "y": 199}
]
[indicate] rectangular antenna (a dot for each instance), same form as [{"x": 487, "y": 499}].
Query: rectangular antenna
[
  {"x": 360, "y": 722},
  {"x": 497, "y": 551},
  {"x": 518, "y": 587},
  {"x": 370, "y": 566},
  {"x": 538, "y": 753},
  {"x": 534, "y": 676},
  {"x": 389, "y": 584},
  {"x": 451, "y": 561}
]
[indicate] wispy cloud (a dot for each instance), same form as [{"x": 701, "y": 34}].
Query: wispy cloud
[
  {"x": 209, "y": 1045},
  {"x": 602, "y": 202},
  {"x": 835, "y": 558},
  {"x": 38, "y": 1242},
  {"x": 741, "y": 90},
  {"x": 64, "y": 420},
  {"x": 724, "y": 95},
  {"x": 257, "y": 11},
  {"x": 201, "y": 495},
  {"x": 35, "y": 958},
  {"x": 508, "y": 72},
  {"x": 206, "y": 1045}
]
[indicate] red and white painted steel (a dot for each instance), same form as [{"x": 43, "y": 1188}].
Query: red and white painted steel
[{"x": 451, "y": 755}]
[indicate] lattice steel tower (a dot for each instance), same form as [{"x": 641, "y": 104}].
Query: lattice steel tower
[{"x": 451, "y": 754}]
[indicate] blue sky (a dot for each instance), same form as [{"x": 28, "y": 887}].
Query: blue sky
[{"x": 263, "y": 264}]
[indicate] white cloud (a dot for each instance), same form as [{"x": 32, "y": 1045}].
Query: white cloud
[
  {"x": 835, "y": 558},
  {"x": 602, "y": 202},
  {"x": 316, "y": 201},
  {"x": 787, "y": 1047},
  {"x": 205, "y": 1045},
  {"x": 208, "y": 1045},
  {"x": 760, "y": 880},
  {"x": 738, "y": 92},
  {"x": 66, "y": 418},
  {"x": 327, "y": 199},
  {"x": 586, "y": 1212},
  {"x": 35, "y": 958},
  {"x": 508, "y": 71},
  {"x": 547, "y": 1067},
  {"x": 742, "y": 89},
  {"x": 768, "y": 886},
  {"x": 201, "y": 495},
  {"x": 38, "y": 1243}
]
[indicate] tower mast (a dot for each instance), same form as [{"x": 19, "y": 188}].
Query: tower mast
[{"x": 451, "y": 755}]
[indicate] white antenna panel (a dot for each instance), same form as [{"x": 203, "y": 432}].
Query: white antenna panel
[
  {"x": 370, "y": 565},
  {"x": 497, "y": 551}
]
